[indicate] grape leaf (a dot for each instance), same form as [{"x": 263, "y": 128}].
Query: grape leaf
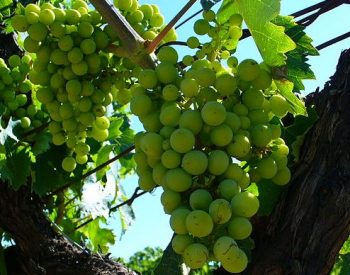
[
  {"x": 228, "y": 8},
  {"x": 41, "y": 144},
  {"x": 114, "y": 128},
  {"x": 102, "y": 156},
  {"x": 16, "y": 167},
  {"x": 6, "y": 133},
  {"x": 342, "y": 265},
  {"x": 207, "y": 4},
  {"x": 49, "y": 174},
  {"x": 346, "y": 247},
  {"x": 270, "y": 39},
  {"x": 99, "y": 238},
  {"x": 5, "y": 3},
  {"x": 285, "y": 88},
  {"x": 269, "y": 195}
]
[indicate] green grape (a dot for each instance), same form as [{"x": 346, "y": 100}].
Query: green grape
[
  {"x": 151, "y": 144},
  {"x": 166, "y": 72},
  {"x": 72, "y": 16},
  {"x": 88, "y": 46},
  {"x": 260, "y": 135},
  {"x": 123, "y": 4},
  {"x": 282, "y": 176},
  {"x": 31, "y": 8},
  {"x": 81, "y": 159},
  {"x": 218, "y": 162},
  {"x": 193, "y": 42},
  {"x": 46, "y": 16},
  {"x": 240, "y": 109},
  {"x": 224, "y": 248},
  {"x": 149, "y": 35},
  {"x": 226, "y": 84},
  {"x": 80, "y": 68},
  {"x": 189, "y": 87},
  {"x": 221, "y": 135},
  {"x": 228, "y": 188},
  {"x": 31, "y": 45},
  {"x": 244, "y": 204},
  {"x": 140, "y": 105},
  {"x": 259, "y": 116},
  {"x": 191, "y": 120},
  {"x": 235, "y": 32},
  {"x": 178, "y": 180},
  {"x": 171, "y": 159},
  {"x": 151, "y": 122},
  {"x": 201, "y": 27},
  {"x": 156, "y": 20},
  {"x": 102, "y": 122},
  {"x": 220, "y": 211},
  {"x": 82, "y": 148},
  {"x": 276, "y": 131},
  {"x": 213, "y": 113},
  {"x": 199, "y": 223},
  {"x": 25, "y": 122},
  {"x": 195, "y": 162},
  {"x": 232, "y": 62},
  {"x": 85, "y": 29},
  {"x": 135, "y": 17},
  {"x": 101, "y": 39},
  {"x": 66, "y": 111},
  {"x": 178, "y": 220},
  {"x": 58, "y": 57},
  {"x": 234, "y": 172},
  {"x": 44, "y": 95},
  {"x": 180, "y": 242},
  {"x": 19, "y": 23},
  {"x": 263, "y": 81},
  {"x": 170, "y": 115},
  {"x": 146, "y": 181},
  {"x": 240, "y": 146},
  {"x": 60, "y": 15},
  {"x": 158, "y": 173},
  {"x": 46, "y": 6},
  {"x": 239, "y": 228},
  {"x": 152, "y": 161},
  {"x": 279, "y": 105},
  {"x": 14, "y": 61},
  {"x": 209, "y": 15},
  {"x": 195, "y": 255},
  {"x": 147, "y": 11},
  {"x": 205, "y": 77},
  {"x": 58, "y": 138},
  {"x": 69, "y": 164},
  {"x": 37, "y": 31},
  {"x": 182, "y": 140},
  {"x": 245, "y": 122},
  {"x": 57, "y": 81},
  {"x": 170, "y": 200},
  {"x": 200, "y": 199},
  {"x": 148, "y": 78},
  {"x": 69, "y": 125},
  {"x": 235, "y": 263},
  {"x": 253, "y": 99},
  {"x": 84, "y": 104},
  {"x": 248, "y": 70},
  {"x": 170, "y": 92},
  {"x": 187, "y": 60},
  {"x": 168, "y": 54},
  {"x": 233, "y": 121},
  {"x": 66, "y": 43},
  {"x": 166, "y": 131},
  {"x": 267, "y": 168}
]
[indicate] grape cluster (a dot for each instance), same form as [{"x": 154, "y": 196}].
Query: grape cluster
[
  {"x": 145, "y": 19},
  {"x": 15, "y": 93},
  {"x": 223, "y": 37},
  {"x": 209, "y": 134}
]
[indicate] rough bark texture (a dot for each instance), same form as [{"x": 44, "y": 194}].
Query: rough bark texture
[{"x": 312, "y": 220}]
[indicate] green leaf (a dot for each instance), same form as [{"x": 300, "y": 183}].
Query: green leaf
[
  {"x": 49, "y": 174},
  {"x": 342, "y": 265},
  {"x": 227, "y": 9},
  {"x": 6, "y": 133},
  {"x": 285, "y": 88},
  {"x": 269, "y": 195},
  {"x": 99, "y": 238},
  {"x": 41, "y": 144},
  {"x": 114, "y": 128},
  {"x": 270, "y": 39},
  {"x": 346, "y": 247},
  {"x": 3, "y": 4},
  {"x": 102, "y": 157},
  {"x": 16, "y": 168}
]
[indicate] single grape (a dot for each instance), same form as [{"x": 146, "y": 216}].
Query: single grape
[
  {"x": 195, "y": 162},
  {"x": 240, "y": 146},
  {"x": 170, "y": 200},
  {"x": 239, "y": 228},
  {"x": 140, "y": 105},
  {"x": 200, "y": 199},
  {"x": 221, "y": 135},
  {"x": 279, "y": 105},
  {"x": 226, "y": 84},
  {"x": 170, "y": 92},
  {"x": 170, "y": 115},
  {"x": 151, "y": 144},
  {"x": 167, "y": 54},
  {"x": 218, "y": 162},
  {"x": 195, "y": 255},
  {"x": 220, "y": 211},
  {"x": 182, "y": 140},
  {"x": 201, "y": 27},
  {"x": 46, "y": 16},
  {"x": 69, "y": 164},
  {"x": 189, "y": 87},
  {"x": 193, "y": 42},
  {"x": 282, "y": 176},
  {"x": 228, "y": 188},
  {"x": 205, "y": 77},
  {"x": 178, "y": 180},
  {"x": 191, "y": 120},
  {"x": 166, "y": 72},
  {"x": 148, "y": 78},
  {"x": 245, "y": 204},
  {"x": 178, "y": 220},
  {"x": 235, "y": 263},
  {"x": 171, "y": 159},
  {"x": 180, "y": 242},
  {"x": 199, "y": 223},
  {"x": 248, "y": 70},
  {"x": 213, "y": 113},
  {"x": 225, "y": 247},
  {"x": 146, "y": 181}
]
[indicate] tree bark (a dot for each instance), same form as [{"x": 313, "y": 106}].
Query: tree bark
[{"x": 312, "y": 220}]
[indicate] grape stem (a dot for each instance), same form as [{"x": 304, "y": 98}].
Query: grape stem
[
  {"x": 156, "y": 41},
  {"x": 133, "y": 43},
  {"x": 129, "y": 201},
  {"x": 93, "y": 171}
]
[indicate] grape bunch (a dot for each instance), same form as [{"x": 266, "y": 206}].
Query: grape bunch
[
  {"x": 223, "y": 38},
  {"x": 15, "y": 93},
  {"x": 210, "y": 132}
]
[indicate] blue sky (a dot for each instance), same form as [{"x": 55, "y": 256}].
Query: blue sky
[{"x": 151, "y": 227}]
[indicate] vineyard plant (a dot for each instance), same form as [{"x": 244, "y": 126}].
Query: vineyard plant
[{"x": 254, "y": 175}]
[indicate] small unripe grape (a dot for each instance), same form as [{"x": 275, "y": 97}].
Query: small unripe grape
[
  {"x": 245, "y": 204},
  {"x": 239, "y": 228},
  {"x": 170, "y": 200},
  {"x": 148, "y": 78},
  {"x": 146, "y": 181},
  {"x": 25, "y": 122},
  {"x": 180, "y": 242},
  {"x": 220, "y": 211},
  {"x": 191, "y": 120},
  {"x": 221, "y": 135},
  {"x": 170, "y": 115},
  {"x": 213, "y": 113},
  {"x": 156, "y": 20},
  {"x": 151, "y": 144},
  {"x": 218, "y": 162},
  {"x": 195, "y": 162},
  {"x": 102, "y": 122},
  {"x": 171, "y": 159},
  {"x": 166, "y": 72},
  {"x": 19, "y": 23},
  {"x": 248, "y": 70},
  {"x": 282, "y": 176},
  {"x": 167, "y": 54},
  {"x": 199, "y": 223},
  {"x": 193, "y": 42},
  {"x": 240, "y": 146},
  {"x": 69, "y": 164},
  {"x": 235, "y": 263},
  {"x": 260, "y": 135},
  {"x": 201, "y": 27},
  {"x": 178, "y": 180},
  {"x": 182, "y": 140},
  {"x": 170, "y": 92},
  {"x": 228, "y": 188},
  {"x": 72, "y": 16},
  {"x": 195, "y": 255},
  {"x": 200, "y": 199},
  {"x": 205, "y": 77},
  {"x": 225, "y": 247},
  {"x": 279, "y": 105},
  {"x": 47, "y": 16},
  {"x": 140, "y": 105},
  {"x": 178, "y": 220},
  {"x": 189, "y": 87},
  {"x": 263, "y": 81},
  {"x": 267, "y": 168},
  {"x": 158, "y": 173},
  {"x": 226, "y": 84}
]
